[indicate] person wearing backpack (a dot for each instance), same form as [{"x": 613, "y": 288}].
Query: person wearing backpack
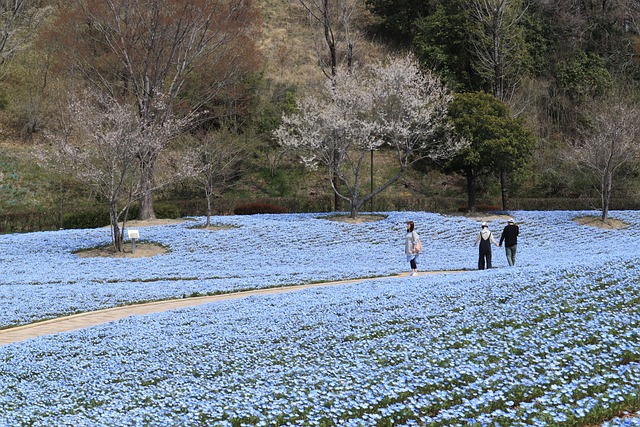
[
  {"x": 485, "y": 237},
  {"x": 412, "y": 247}
]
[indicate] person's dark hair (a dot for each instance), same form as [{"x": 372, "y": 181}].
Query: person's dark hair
[{"x": 410, "y": 224}]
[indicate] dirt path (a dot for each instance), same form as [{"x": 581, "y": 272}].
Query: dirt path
[{"x": 93, "y": 318}]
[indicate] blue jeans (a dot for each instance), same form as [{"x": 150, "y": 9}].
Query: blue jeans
[
  {"x": 511, "y": 254},
  {"x": 413, "y": 261}
]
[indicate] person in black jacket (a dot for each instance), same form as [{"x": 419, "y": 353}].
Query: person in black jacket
[{"x": 510, "y": 238}]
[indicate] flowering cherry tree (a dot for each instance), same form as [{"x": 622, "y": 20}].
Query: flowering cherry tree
[
  {"x": 98, "y": 143},
  {"x": 392, "y": 105}
]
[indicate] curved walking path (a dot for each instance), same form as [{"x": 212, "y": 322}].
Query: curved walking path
[{"x": 93, "y": 318}]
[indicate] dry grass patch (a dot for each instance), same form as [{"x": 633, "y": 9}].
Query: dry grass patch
[
  {"x": 214, "y": 227},
  {"x": 290, "y": 39},
  {"x": 485, "y": 217},
  {"x": 151, "y": 222},
  {"x": 357, "y": 220},
  {"x": 143, "y": 250},
  {"x": 596, "y": 221}
]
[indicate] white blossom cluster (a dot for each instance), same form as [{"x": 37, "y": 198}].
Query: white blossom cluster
[{"x": 554, "y": 341}]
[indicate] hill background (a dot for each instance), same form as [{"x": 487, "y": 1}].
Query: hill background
[{"x": 38, "y": 198}]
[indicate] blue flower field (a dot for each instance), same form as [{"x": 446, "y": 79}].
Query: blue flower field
[{"x": 553, "y": 341}]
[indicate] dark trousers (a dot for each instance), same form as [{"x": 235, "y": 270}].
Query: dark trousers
[
  {"x": 511, "y": 254},
  {"x": 484, "y": 256}
]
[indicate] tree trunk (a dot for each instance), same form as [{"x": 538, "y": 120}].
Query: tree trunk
[
  {"x": 335, "y": 182},
  {"x": 146, "y": 206},
  {"x": 147, "y": 167},
  {"x": 606, "y": 195},
  {"x": 208, "y": 211},
  {"x": 472, "y": 188},
  {"x": 329, "y": 38},
  {"x": 337, "y": 201},
  {"x": 505, "y": 190},
  {"x": 115, "y": 229},
  {"x": 353, "y": 212},
  {"x": 61, "y": 206}
]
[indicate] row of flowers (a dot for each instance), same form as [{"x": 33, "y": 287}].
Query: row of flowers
[
  {"x": 554, "y": 341},
  {"x": 43, "y": 278}
]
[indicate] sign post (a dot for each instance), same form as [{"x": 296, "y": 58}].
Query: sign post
[{"x": 133, "y": 235}]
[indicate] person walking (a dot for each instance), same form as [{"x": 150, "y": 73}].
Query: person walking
[
  {"x": 510, "y": 238},
  {"x": 412, "y": 247},
  {"x": 485, "y": 237}
]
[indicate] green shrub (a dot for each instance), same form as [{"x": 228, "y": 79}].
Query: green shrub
[
  {"x": 27, "y": 221},
  {"x": 93, "y": 218},
  {"x": 482, "y": 207},
  {"x": 134, "y": 212},
  {"x": 282, "y": 183},
  {"x": 3, "y": 100},
  {"x": 259, "y": 208},
  {"x": 99, "y": 217},
  {"x": 167, "y": 211}
]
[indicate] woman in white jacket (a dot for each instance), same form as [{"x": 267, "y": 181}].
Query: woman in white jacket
[
  {"x": 485, "y": 237},
  {"x": 412, "y": 247}
]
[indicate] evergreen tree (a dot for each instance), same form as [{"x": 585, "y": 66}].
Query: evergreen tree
[{"x": 497, "y": 141}]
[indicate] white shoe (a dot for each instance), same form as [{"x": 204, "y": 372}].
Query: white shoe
[{"x": 413, "y": 273}]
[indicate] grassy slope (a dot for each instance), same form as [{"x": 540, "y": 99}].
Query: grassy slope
[
  {"x": 290, "y": 42},
  {"x": 290, "y": 45}
]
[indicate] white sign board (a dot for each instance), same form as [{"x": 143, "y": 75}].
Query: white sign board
[{"x": 133, "y": 234}]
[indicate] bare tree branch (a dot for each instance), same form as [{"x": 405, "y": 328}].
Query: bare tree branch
[
  {"x": 498, "y": 44},
  {"x": 610, "y": 141},
  {"x": 335, "y": 19},
  {"x": 218, "y": 163},
  {"x": 18, "y": 22},
  {"x": 138, "y": 50}
]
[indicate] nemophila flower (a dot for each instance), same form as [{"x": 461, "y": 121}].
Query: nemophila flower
[{"x": 550, "y": 339}]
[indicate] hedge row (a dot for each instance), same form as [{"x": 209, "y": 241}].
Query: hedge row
[
  {"x": 259, "y": 208},
  {"x": 99, "y": 217}
]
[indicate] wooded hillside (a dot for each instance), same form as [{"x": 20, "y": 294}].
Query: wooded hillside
[{"x": 208, "y": 83}]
